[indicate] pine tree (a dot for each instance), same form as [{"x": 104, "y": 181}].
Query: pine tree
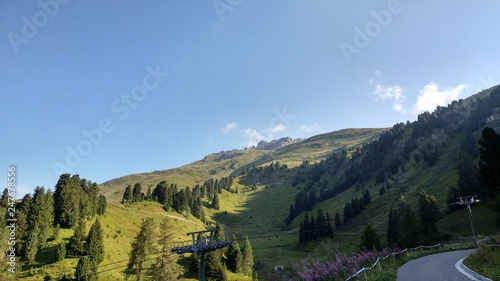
[
  {"x": 166, "y": 267},
  {"x": 367, "y": 199},
  {"x": 61, "y": 251},
  {"x": 304, "y": 229},
  {"x": 31, "y": 248},
  {"x": 127, "y": 194},
  {"x": 247, "y": 254},
  {"x": 370, "y": 240},
  {"x": 148, "y": 194},
  {"x": 234, "y": 260},
  {"x": 215, "y": 201},
  {"x": 67, "y": 197},
  {"x": 142, "y": 246},
  {"x": 348, "y": 211},
  {"x": 214, "y": 269},
  {"x": 41, "y": 214},
  {"x": 77, "y": 241},
  {"x": 84, "y": 270},
  {"x": 409, "y": 228},
  {"x": 136, "y": 193},
  {"x": 428, "y": 214},
  {"x": 101, "y": 205},
  {"x": 338, "y": 222},
  {"x": 94, "y": 246},
  {"x": 4, "y": 201},
  {"x": 393, "y": 228},
  {"x": 321, "y": 225},
  {"x": 55, "y": 232}
]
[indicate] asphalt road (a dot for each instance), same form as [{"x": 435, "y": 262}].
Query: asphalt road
[{"x": 439, "y": 267}]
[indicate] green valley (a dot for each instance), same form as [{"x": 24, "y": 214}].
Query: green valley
[{"x": 357, "y": 175}]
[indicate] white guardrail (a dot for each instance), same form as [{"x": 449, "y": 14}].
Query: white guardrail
[{"x": 463, "y": 245}]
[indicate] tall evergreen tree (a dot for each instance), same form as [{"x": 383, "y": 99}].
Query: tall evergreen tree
[
  {"x": 127, "y": 194},
  {"x": 489, "y": 166},
  {"x": 304, "y": 229},
  {"x": 247, "y": 254},
  {"x": 94, "y": 246},
  {"x": 142, "y": 246},
  {"x": 348, "y": 211},
  {"x": 393, "y": 228},
  {"x": 101, "y": 205},
  {"x": 22, "y": 231},
  {"x": 338, "y": 221},
  {"x": 321, "y": 225},
  {"x": 77, "y": 241},
  {"x": 367, "y": 199},
  {"x": 32, "y": 246},
  {"x": 61, "y": 251},
  {"x": 428, "y": 212},
  {"x": 215, "y": 201},
  {"x": 370, "y": 240},
  {"x": 136, "y": 193},
  {"x": 166, "y": 268},
  {"x": 489, "y": 160},
  {"x": 41, "y": 214},
  {"x": 409, "y": 228},
  {"x": 84, "y": 270},
  {"x": 148, "y": 194},
  {"x": 214, "y": 269},
  {"x": 67, "y": 197},
  {"x": 4, "y": 201},
  {"x": 234, "y": 260}
]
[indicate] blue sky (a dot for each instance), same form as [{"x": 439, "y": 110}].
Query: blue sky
[{"x": 109, "y": 88}]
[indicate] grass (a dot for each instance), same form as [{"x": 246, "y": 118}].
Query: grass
[
  {"x": 485, "y": 262},
  {"x": 120, "y": 225}
]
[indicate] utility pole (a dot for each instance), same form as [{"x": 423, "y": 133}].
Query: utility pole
[
  {"x": 468, "y": 200},
  {"x": 201, "y": 245}
]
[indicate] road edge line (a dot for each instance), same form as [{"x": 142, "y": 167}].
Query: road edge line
[{"x": 471, "y": 274}]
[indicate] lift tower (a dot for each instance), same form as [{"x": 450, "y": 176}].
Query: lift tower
[{"x": 201, "y": 244}]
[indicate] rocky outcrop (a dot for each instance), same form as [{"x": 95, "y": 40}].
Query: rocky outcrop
[
  {"x": 222, "y": 155},
  {"x": 275, "y": 144}
]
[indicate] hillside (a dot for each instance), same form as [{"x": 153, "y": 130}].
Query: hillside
[
  {"x": 224, "y": 163},
  {"x": 266, "y": 194},
  {"x": 334, "y": 169}
]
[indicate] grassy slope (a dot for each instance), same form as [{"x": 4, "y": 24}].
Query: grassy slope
[
  {"x": 188, "y": 175},
  {"x": 120, "y": 224},
  {"x": 259, "y": 214},
  {"x": 314, "y": 149},
  {"x": 256, "y": 214}
]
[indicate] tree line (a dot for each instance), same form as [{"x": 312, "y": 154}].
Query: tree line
[
  {"x": 41, "y": 215},
  {"x": 153, "y": 241},
  {"x": 315, "y": 228},
  {"x": 185, "y": 201}
]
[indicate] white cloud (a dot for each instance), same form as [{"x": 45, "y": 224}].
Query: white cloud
[
  {"x": 253, "y": 137},
  {"x": 393, "y": 94},
  {"x": 229, "y": 127},
  {"x": 252, "y": 133},
  {"x": 276, "y": 129},
  {"x": 309, "y": 129},
  {"x": 432, "y": 95}
]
